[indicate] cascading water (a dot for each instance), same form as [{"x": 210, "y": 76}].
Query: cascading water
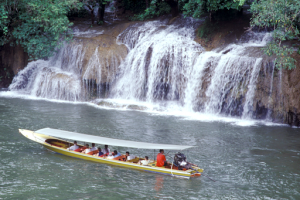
[
  {"x": 157, "y": 62},
  {"x": 233, "y": 78},
  {"x": 74, "y": 73},
  {"x": 56, "y": 78},
  {"x": 164, "y": 66},
  {"x": 164, "y": 63}
]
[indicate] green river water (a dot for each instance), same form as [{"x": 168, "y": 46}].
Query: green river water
[{"x": 247, "y": 162}]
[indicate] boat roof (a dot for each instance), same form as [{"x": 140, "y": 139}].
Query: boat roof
[{"x": 108, "y": 141}]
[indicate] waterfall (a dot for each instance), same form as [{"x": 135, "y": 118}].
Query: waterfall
[
  {"x": 163, "y": 65},
  {"x": 270, "y": 100},
  {"x": 55, "y": 78},
  {"x": 157, "y": 63},
  {"x": 248, "y": 106}
]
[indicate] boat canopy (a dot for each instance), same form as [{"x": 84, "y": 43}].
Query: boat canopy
[{"x": 108, "y": 141}]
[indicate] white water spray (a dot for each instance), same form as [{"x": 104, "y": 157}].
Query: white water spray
[{"x": 164, "y": 67}]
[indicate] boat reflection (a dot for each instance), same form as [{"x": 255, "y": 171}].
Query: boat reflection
[{"x": 159, "y": 183}]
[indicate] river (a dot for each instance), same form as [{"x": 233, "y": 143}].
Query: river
[{"x": 254, "y": 161}]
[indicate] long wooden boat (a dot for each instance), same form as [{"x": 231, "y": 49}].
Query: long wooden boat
[{"x": 50, "y": 139}]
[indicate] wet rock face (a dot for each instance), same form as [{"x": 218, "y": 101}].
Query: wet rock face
[
  {"x": 277, "y": 96},
  {"x": 12, "y": 60},
  {"x": 289, "y": 99},
  {"x": 100, "y": 53}
]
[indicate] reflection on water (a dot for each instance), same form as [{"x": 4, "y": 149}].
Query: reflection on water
[
  {"x": 247, "y": 162},
  {"x": 159, "y": 183}
]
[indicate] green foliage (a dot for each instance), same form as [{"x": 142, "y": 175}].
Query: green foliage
[
  {"x": 282, "y": 16},
  {"x": 197, "y": 8},
  {"x": 155, "y": 9},
  {"x": 207, "y": 29},
  {"x": 40, "y": 26},
  {"x": 3, "y": 24}
]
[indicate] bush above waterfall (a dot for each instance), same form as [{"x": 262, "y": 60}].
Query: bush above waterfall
[
  {"x": 284, "y": 18},
  {"x": 39, "y": 26},
  {"x": 155, "y": 9}
]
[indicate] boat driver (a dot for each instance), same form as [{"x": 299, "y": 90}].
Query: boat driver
[
  {"x": 161, "y": 159},
  {"x": 74, "y": 147}
]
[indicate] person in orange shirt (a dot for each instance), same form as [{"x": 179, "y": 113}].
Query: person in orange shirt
[{"x": 161, "y": 159}]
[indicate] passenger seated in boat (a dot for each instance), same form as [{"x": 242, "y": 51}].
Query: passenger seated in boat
[
  {"x": 87, "y": 150},
  {"x": 111, "y": 156},
  {"x": 129, "y": 157},
  {"x": 74, "y": 147},
  {"x": 116, "y": 154},
  {"x": 161, "y": 159},
  {"x": 119, "y": 156},
  {"x": 93, "y": 147},
  {"x": 144, "y": 162},
  {"x": 80, "y": 149},
  {"x": 101, "y": 154},
  {"x": 106, "y": 150}
]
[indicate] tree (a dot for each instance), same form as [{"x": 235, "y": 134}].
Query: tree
[
  {"x": 156, "y": 8},
  {"x": 101, "y": 10},
  {"x": 92, "y": 5},
  {"x": 39, "y": 26},
  {"x": 197, "y": 8},
  {"x": 283, "y": 17}
]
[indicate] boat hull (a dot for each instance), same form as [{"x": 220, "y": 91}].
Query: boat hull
[{"x": 39, "y": 138}]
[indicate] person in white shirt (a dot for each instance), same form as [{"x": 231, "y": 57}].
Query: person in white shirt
[
  {"x": 110, "y": 156},
  {"x": 106, "y": 150},
  {"x": 93, "y": 147},
  {"x": 144, "y": 162},
  {"x": 87, "y": 150},
  {"x": 129, "y": 157},
  {"x": 74, "y": 147}
]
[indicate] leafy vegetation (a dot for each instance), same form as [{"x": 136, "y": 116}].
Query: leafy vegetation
[
  {"x": 207, "y": 29},
  {"x": 198, "y": 8},
  {"x": 156, "y": 8},
  {"x": 39, "y": 26},
  {"x": 283, "y": 17}
]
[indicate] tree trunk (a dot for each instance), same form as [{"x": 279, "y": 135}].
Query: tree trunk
[
  {"x": 147, "y": 3},
  {"x": 92, "y": 17},
  {"x": 101, "y": 13},
  {"x": 92, "y": 14}
]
